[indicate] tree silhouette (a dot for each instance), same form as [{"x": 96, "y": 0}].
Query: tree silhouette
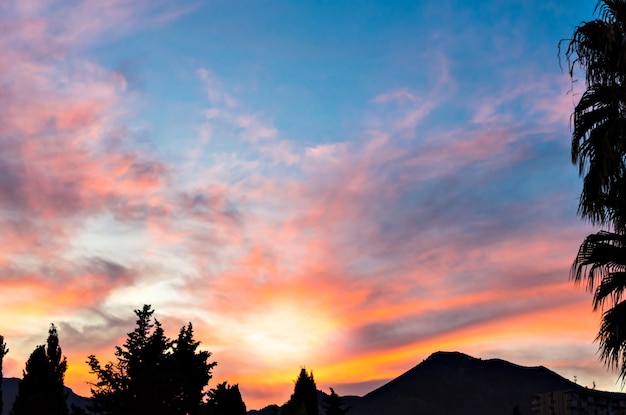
[
  {"x": 599, "y": 150},
  {"x": 191, "y": 372},
  {"x": 152, "y": 374},
  {"x": 333, "y": 404},
  {"x": 3, "y": 352},
  {"x": 304, "y": 397},
  {"x": 41, "y": 389},
  {"x": 225, "y": 400},
  {"x": 599, "y": 121}
]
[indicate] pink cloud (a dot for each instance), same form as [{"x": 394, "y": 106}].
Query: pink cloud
[
  {"x": 69, "y": 164},
  {"x": 53, "y": 28},
  {"x": 338, "y": 243}
]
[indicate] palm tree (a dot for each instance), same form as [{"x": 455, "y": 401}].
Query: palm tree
[
  {"x": 599, "y": 118},
  {"x": 598, "y": 47}
]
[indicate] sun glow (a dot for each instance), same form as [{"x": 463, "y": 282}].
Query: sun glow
[{"x": 284, "y": 334}]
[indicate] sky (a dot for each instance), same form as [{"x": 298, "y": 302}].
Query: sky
[{"x": 345, "y": 186}]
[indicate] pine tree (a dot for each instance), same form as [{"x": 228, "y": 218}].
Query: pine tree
[
  {"x": 150, "y": 376},
  {"x": 304, "y": 397},
  {"x": 41, "y": 390},
  {"x": 3, "y": 352},
  {"x": 153, "y": 374},
  {"x": 191, "y": 372},
  {"x": 225, "y": 400},
  {"x": 119, "y": 389}
]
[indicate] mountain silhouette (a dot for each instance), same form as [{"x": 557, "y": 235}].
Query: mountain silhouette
[
  {"x": 453, "y": 383},
  {"x": 9, "y": 392},
  {"x": 449, "y": 383}
]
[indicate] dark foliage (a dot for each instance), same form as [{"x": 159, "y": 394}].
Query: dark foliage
[
  {"x": 598, "y": 48},
  {"x": 333, "y": 404},
  {"x": 225, "y": 400},
  {"x": 3, "y": 352},
  {"x": 190, "y": 372},
  {"x": 601, "y": 261},
  {"x": 599, "y": 118},
  {"x": 41, "y": 389},
  {"x": 152, "y": 374},
  {"x": 304, "y": 398}
]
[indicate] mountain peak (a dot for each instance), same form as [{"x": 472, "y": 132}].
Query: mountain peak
[
  {"x": 479, "y": 386},
  {"x": 449, "y": 357}
]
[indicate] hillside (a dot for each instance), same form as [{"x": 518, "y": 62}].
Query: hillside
[
  {"x": 452, "y": 383},
  {"x": 9, "y": 392}
]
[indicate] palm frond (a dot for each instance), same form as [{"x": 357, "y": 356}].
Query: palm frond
[
  {"x": 615, "y": 198},
  {"x": 612, "y": 339},
  {"x": 611, "y": 287},
  {"x": 599, "y": 255},
  {"x": 599, "y": 119}
]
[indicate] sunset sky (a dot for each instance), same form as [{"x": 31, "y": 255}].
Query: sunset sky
[{"x": 343, "y": 185}]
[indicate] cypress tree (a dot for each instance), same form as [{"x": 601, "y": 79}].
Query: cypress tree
[
  {"x": 41, "y": 389},
  {"x": 3, "y": 352},
  {"x": 304, "y": 398}
]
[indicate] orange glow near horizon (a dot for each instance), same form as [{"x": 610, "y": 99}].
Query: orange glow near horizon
[
  {"x": 490, "y": 339},
  {"x": 287, "y": 333}
]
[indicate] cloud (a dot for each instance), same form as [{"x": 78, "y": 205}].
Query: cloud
[
  {"x": 390, "y": 244},
  {"x": 72, "y": 174},
  {"x": 52, "y": 29},
  {"x": 384, "y": 222},
  {"x": 215, "y": 92},
  {"x": 399, "y": 95},
  {"x": 402, "y": 330}
]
